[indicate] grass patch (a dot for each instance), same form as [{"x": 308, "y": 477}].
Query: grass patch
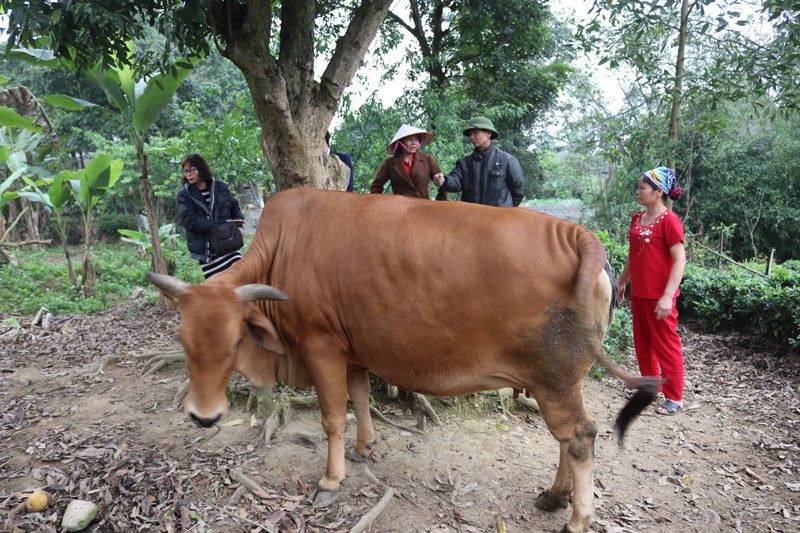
[{"x": 42, "y": 280}]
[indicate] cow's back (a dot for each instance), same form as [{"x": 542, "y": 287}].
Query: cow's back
[{"x": 432, "y": 296}]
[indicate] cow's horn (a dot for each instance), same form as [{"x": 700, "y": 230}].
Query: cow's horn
[
  {"x": 256, "y": 291},
  {"x": 172, "y": 286}
]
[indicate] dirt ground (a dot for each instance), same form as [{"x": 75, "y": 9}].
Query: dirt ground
[{"x": 729, "y": 462}]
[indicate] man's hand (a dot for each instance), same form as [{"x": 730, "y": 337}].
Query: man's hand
[{"x": 438, "y": 179}]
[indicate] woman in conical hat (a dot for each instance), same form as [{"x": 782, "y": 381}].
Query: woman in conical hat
[{"x": 408, "y": 169}]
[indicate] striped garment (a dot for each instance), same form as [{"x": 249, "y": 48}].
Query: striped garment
[{"x": 217, "y": 264}]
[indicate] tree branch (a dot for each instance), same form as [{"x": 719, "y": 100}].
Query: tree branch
[
  {"x": 350, "y": 49},
  {"x": 296, "y": 56},
  {"x": 25, "y": 243},
  {"x": 395, "y": 17}
]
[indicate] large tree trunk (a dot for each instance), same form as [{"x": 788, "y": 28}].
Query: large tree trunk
[
  {"x": 293, "y": 109},
  {"x": 159, "y": 264}
]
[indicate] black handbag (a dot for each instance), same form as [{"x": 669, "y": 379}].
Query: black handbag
[{"x": 225, "y": 238}]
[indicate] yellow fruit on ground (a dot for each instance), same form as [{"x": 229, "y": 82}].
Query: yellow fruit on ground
[{"x": 37, "y": 501}]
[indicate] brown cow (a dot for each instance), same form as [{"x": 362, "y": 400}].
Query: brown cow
[{"x": 443, "y": 298}]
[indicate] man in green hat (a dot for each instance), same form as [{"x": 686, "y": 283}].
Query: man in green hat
[{"x": 488, "y": 175}]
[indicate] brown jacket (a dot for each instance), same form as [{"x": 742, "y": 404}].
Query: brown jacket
[{"x": 416, "y": 185}]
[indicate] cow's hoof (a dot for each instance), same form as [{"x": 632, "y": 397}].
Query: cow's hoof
[
  {"x": 546, "y": 501},
  {"x": 324, "y": 498}
]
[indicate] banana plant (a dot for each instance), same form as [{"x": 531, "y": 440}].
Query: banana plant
[
  {"x": 21, "y": 143},
  {"x": 137, "y": 104},
  {"x": 88, "y": 186},
  {"x": 57, "y": 195},
  {"x": 167, "y": 236}
]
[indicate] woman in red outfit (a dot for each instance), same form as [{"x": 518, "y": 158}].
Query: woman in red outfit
[{"x": 656, "y": 260}]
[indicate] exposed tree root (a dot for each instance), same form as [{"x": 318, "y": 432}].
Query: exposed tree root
[
  {"x": 366, "y": 521},
  {"x": 380, "y": 416},
  {"x": 155, "y": 360},
  {"x": 180, "y": 394},
  {"x": 428, "y": 409},
  {"x": 530, "y": 403},
  {"x": 156, "y": 363}
]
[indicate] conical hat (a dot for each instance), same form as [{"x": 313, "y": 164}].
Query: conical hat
[{"x": 405, "y": 131}]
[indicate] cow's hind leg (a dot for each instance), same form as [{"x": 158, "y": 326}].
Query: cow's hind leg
[
  {"x": 557, "y": 496},
  {"x": 358, "y": 387},
  {"x": 566, "y": 417}
]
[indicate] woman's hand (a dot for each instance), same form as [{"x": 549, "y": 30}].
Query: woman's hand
[
  {"x": 621, "y": 290},
  {"x": 438, "y": 179},
  {"x": 663, "y": 307}
]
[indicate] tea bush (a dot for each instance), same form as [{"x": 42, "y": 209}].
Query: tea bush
[{"x": 736, "y": 299}]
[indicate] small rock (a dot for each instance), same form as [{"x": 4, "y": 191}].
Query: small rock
[
  {"x": 137, "y": 292},
  {"x": 78, "y": 516}
]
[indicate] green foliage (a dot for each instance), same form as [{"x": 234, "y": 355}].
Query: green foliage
[
  {"x": 41, "y": 279},
  {"x": 736, "y": 299},
  {"x": 617, "y": 252},
  {"x": 108, "y": 223},
  {"x": 170, "y": 242},
  {"x": 620, "y": 333}
]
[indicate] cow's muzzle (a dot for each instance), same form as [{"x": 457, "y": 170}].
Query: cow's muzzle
[{"x": 205, "y": 422}]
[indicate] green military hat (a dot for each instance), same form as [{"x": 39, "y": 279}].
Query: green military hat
[{"x": 481, "y": 123}]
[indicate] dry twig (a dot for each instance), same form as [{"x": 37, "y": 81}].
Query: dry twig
[{"x": 238, "y": 476}]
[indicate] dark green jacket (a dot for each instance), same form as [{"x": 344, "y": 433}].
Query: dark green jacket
[{"x": 489, "y": 177}]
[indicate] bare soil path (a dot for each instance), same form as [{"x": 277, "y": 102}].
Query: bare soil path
[{"x": 729, "y": 462}]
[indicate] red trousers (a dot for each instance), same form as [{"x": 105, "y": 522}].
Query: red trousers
[{"x": 658, "y": 346}]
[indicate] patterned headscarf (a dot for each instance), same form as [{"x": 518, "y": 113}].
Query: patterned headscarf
[{"x": 664, "y": 178}]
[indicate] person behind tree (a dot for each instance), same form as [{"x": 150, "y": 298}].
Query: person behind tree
[
  {"x": 205, "y": 202},
  {"x": 488, "y": 175},
  {"x": 408, "y": 170},
  {"x": 656, "y": 260},
  {"x": 345, "y": 158}
]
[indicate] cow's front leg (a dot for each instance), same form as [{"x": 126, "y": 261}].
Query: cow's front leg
[
  {"x": 329, "y": 374},
  {"x": 358, "y": 387}
]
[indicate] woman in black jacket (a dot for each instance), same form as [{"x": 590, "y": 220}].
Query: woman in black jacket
[{"x": 204, "y": 203}]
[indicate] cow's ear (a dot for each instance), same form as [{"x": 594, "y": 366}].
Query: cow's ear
[{"x": 263, "y": 331}]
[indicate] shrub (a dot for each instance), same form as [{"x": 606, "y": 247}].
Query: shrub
[
  {"x": 617, "y": 252},
  {"x": 107, "y": 224},
  {"x": 736, "y": 299},
  {"x": 620, "y": 333}
]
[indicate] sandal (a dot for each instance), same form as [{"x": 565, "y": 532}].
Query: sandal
[{"x": 669, "y": 408}]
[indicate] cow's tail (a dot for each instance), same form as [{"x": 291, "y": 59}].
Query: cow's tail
[{"x": 593, "y": 260}]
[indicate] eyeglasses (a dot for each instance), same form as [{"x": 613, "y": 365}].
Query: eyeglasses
[{"x": 189, "y": 170}]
